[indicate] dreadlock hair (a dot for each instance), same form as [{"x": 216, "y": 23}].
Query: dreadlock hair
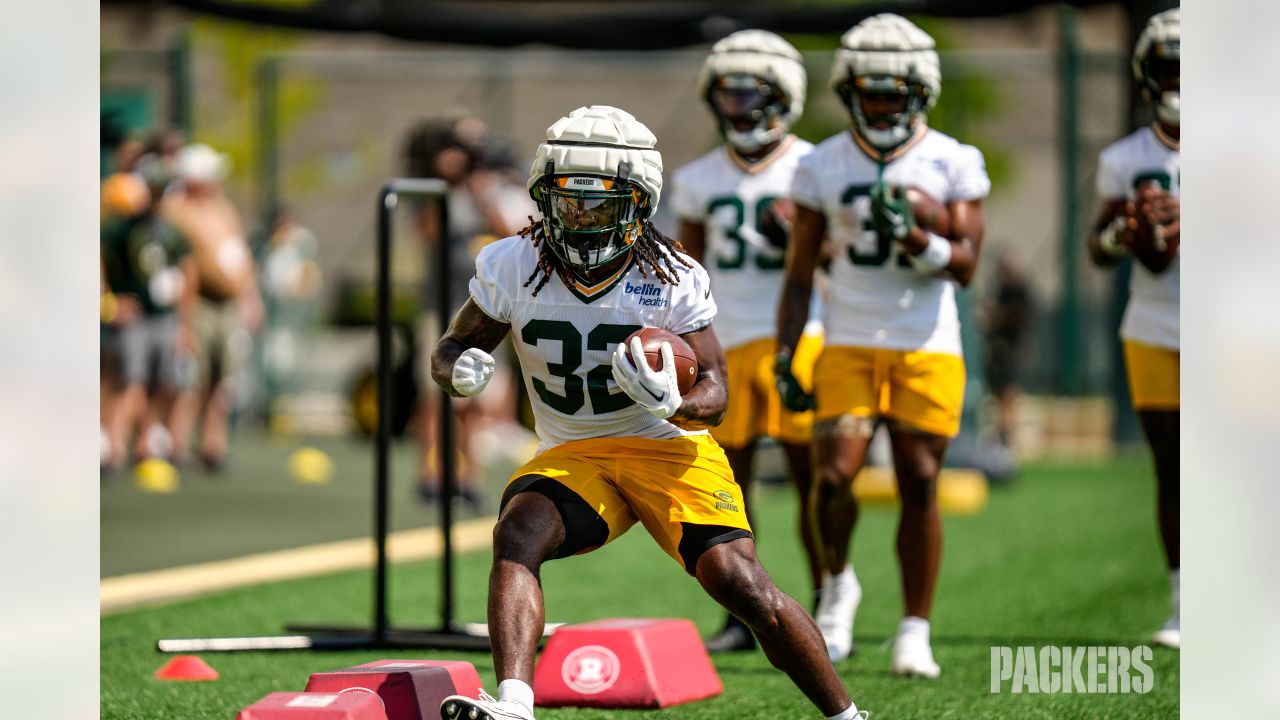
[{"x": 653, "y": 248}]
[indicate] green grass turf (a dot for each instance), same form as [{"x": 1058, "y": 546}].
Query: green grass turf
[{"x": 1069, "y": 556}]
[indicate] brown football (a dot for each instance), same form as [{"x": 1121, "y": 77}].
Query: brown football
[
  {"x": 1152, "y": 249},
  {"x": 930, "y": 214},
  {"x": 651, "y": 338}
]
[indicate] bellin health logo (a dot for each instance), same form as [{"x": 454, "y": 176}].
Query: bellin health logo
[{"x": 650, "y": 294}]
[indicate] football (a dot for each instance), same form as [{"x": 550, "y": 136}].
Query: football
[
  {"x": 930, "y": 214},
  {"x": 651, "y": 338},
  {"x": 1152, "y": 208}
]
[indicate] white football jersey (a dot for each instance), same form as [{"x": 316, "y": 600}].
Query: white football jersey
[
  {"x": 728, "y": 197},
  {"x": 565, "y": 337},
  {"x": 1152, "y": 314},
  {"x": 877, "y": 298}
]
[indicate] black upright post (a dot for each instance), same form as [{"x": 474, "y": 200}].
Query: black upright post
[
  {"x": 448, "y": 478},
  {"x": 387, "y": 201}
]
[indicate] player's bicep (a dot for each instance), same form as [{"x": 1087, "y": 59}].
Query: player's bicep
[
  {"x": 968, "y": 221},
  {"x": 693, "y": 236},
  {"x": 473, "y": 328}
]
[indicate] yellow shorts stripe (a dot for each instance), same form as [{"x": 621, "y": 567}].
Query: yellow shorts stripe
[
  {"x": 754, "y": 406},
  {"x": 924, "y": 390},
  {"x": 660, "y": 483},
  {"x": 1154, "y": 376}
]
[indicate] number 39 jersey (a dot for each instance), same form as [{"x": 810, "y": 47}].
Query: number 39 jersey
[
  {"x": 565, "y": 337},
  {"x": 730, "y": 199},
  {"x": 877, "y": 299},
  {"x": 1142, "y": 157}
]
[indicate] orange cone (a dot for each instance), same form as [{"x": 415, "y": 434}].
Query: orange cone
[{"x": 186, "y": 668}]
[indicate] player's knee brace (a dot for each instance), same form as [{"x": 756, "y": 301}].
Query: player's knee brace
[{"x": 846, "y": 425}]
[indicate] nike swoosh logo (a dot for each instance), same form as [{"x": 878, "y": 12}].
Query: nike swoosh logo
[
  {"x": 659, "y": 398},
  {"x": 707, "y": 294}
]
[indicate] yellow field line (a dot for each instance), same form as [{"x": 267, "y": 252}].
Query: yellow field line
[{"x": 160, "y": 586}]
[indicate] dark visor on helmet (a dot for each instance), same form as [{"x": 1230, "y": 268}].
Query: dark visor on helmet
[{"x": 742, "y": 96}]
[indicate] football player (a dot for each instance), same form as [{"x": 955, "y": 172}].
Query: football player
[
  {"x": 1140, "y": 216},
  {"x": 734, "y": 214},
  {"x": 892, "y": 352},
  {"x": 619, "y": 444}
]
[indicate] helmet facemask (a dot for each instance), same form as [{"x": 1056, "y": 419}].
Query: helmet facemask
[
  {"x": 590, "y": 220},
  {"x": 1161, "y": 79},
  {"x": 749, "y": 110},
  {"x": 912, "y": 97}
]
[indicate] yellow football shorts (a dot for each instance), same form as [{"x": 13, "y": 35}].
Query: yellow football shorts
[
  {"x": 1154, "y": 375},
  {"x": 923, "y": 390},
  {"x": 754, "y": 406},
  {"x": 680, "y": 489}
]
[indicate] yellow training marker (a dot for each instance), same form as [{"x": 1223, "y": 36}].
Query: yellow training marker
[
  {"x": 310, "y": 466},
  {"x": 156, "y": 476},
  {"x": 960, "y": 491}
]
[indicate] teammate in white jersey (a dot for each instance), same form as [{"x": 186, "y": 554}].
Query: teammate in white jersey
[
  {"x": 620, "y": 444},
  {"x": 734, "y": 217},
  {"x": 1139, "y": 186},
  {"x": 892, "y": 350}
]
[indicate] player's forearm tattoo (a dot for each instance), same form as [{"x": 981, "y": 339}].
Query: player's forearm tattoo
[{"x": 471, "y": 328}]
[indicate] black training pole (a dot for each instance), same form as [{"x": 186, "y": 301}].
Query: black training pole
[
  {"x": 448, "y": 479},
  {"x": 387, "y": 201}
]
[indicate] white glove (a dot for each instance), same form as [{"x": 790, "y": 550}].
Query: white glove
[
  {"x": 472, "y": 371},
  {"x": 655, "y": 390}
]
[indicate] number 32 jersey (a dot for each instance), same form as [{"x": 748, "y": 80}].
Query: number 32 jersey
[
  {"x": 565, "y": 337},
  {"x": 729, "y": 199},
  {"x": 877, "y": 299}
]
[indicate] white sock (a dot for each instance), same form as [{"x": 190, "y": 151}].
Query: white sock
[
  {"x": 850, "y": 714},
  {"x": 912, "y": 626},
  {"x": 845, "y": 575},
  {"x": 517, "y": 691}
]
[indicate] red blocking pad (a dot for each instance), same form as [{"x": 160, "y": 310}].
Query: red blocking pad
[
  {"x": 410, "y": 689},
  {"x": 315, "y": 706},
  {"x": 625, "y": 663}
]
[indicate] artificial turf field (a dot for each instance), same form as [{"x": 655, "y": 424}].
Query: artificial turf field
[{"x": 1067, "y": 556}]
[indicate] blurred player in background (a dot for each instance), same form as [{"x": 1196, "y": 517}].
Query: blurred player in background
[
  {"x": 291, "y": 281},
  {"x": 148, "y": 297},
  {"x": 230, "y": 307},
  {"x": 620, "y": 444},
  {"x": 483, "y": 205},
  {"x": 892, "y": 349},
  {"x": 1006, "y": 315},
  {"x": 734, "y": 219},
  {"x": 121, "y": 196},
  {"x": 1138, "y": 182}
]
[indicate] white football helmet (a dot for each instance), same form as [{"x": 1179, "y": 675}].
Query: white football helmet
[
  {"x": 596, "y": 179},
  {"x": 1157, "y": 58},
  {"x": 887, "y": 53},
  {"x": 753, "y": 76}
]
